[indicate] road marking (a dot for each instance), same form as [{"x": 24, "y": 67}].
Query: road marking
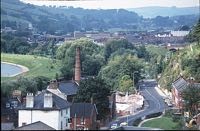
[{"x": 154, "y": 98}]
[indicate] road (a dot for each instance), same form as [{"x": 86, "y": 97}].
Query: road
[{"x": 154, "y": 100}]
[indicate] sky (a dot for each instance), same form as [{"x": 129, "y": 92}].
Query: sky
[{"x": 115, "y": 4}]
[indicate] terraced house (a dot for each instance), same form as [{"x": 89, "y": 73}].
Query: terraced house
[{"x": 46, "y": 107}]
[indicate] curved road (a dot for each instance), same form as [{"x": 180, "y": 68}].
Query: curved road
[{"x": 154, "y": 100}]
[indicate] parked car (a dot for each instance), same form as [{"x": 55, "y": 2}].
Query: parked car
[
  {"x": 113, "y": 126},
  {"x": 168, "y": 102}
]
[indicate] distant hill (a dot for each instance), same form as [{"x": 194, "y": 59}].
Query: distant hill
[
  {"x": 150, "y": 12},
  {"x": 61, "y": 20}
]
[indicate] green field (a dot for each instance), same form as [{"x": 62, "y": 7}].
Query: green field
[
  {"x": 38, "y": 66},
  {"x": 165, "y": 123}
]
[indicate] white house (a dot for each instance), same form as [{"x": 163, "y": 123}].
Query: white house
[
  {"x": 46, "y": 107},
  {"x": 179, "y": 33}
]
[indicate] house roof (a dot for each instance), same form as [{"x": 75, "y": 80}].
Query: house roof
[
  {"x": 197, "y": 85},
  {"x": 82, "y": 109},
  {"x": 35, "y": 126},
  {"x": 180, "y": 84},
  {"x": 68, "y": 87},
  {"x": 7, "y": 126},
  {"x": 58, "y": 103}
]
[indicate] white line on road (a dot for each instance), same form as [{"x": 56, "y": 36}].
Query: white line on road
[{"x": 154, "y": 98}]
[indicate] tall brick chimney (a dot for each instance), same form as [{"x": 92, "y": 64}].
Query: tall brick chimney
[{"x": 77, "y": 65}]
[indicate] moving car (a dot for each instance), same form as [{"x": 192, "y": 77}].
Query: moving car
[{"x": 124, "y": 124}]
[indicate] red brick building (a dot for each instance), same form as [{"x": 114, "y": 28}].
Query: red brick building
[
  {"x": 177, "y": 87},
  {"x": 83, "y": 116}
]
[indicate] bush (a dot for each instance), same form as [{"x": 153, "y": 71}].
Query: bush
[
  {"x": 168, "y": 113},
  {"x": 137, "y": 122},
  {"x": 153, "y": 115},
  {"x": 175, "y": 118},
  {"x": 25, "y": 85}
]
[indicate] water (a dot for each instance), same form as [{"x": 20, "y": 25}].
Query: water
[{"x": 9, "y": 70}]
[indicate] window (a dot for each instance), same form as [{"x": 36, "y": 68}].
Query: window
[
  {"x": 69, "y": 120},
  {"x": 61, "y": 112},
  {"x": 82, "y": 121},
  {"x": 23, "y": 123},
  {"x": 61, "y": 125},
  {"x": 7, "y": 105},
  {"x": 14, "y": 104}
]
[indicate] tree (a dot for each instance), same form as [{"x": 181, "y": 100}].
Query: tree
[
  {"x": 194, "y": 35},
  {"x": 98, "y": 90},
  {"x": 41, "y": 82},
  {"x": 26, "y": 85},
  {"x": 119, "y": 66},
  {"x": 126, "y": 83},
  {"x": 114, "y": 45},
  {"x": 191, "y": 96},
  {"x": 142, "y": 53},
  {"x": 92, "y": 65},
  {"x": 90, "y": 55},
  {"x": 184, "y": 28}
]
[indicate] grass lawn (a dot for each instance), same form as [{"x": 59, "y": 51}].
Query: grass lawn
[
  {"x": 38, "y": 66},
  {"x": 165, "y": 123}
]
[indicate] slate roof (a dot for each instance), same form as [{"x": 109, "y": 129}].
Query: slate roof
[
  {"x": 82, "y": 109},
  {"x": 35, "y": 126},
  {"x": 58, "y": 103},
  {"x": 68, "y": 87},
  {"x": 7, "y": 126},
  {"x": 180, "y": 84},
  {"x": 197, "y": 85}
]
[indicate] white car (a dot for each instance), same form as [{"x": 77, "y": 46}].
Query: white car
[
  {"x": 124, "y": 124},
  {"x": 114, "y": 126}
]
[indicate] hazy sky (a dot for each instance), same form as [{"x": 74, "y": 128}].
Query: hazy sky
[{"x": 115, "y": 4}]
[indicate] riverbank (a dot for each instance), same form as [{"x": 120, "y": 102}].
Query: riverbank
[
  {"x": 37, "y": 65},
  {"x": 23, "y": 68}
]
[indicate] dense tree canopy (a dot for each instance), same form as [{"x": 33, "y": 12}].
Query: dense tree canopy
[
  {"x": 119, "y": 66},
  {"x": 91, "y": 57},
  {"x": 115, "y": 45},
  {"x": 191, "y": 96},
  {"x": 26, "y": 85},
  {"x": 97, "y": 89},
  {"x": 194, "y": 34}
]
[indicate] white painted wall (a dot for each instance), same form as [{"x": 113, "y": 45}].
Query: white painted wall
[
  {"x": 64, "y": 119},
  {"x": 52, "y": 118}
]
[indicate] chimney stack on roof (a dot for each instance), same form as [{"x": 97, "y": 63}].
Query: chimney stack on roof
[
  {"x": 48, "y": 100},
  {"x": 53, "y": 84},
  {"x": 77, "y": 65},
  {"x": 29, "y": 100}
]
